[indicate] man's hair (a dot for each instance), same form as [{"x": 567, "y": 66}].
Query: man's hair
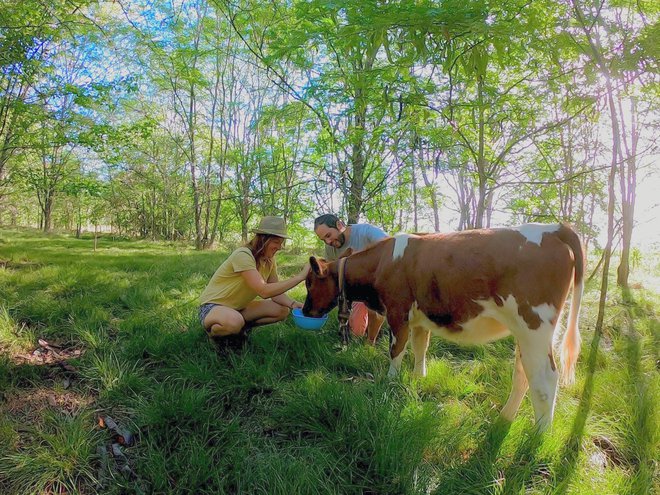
[{"x": 328, "y": 219}]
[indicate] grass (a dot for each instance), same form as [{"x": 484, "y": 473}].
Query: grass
[{"x": 289, "y": 414}]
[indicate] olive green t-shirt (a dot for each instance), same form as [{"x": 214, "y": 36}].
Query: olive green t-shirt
[{"x": 227, "y": 287}]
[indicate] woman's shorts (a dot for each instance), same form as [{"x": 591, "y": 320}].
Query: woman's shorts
[{"x": 204, "y": 310}]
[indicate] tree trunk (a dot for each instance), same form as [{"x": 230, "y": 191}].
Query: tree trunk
[
  {"x": 358, "y": 166},
  {"x": 414, "y": 179},
  {"x": 47, "y": 211},
  {"x": 481, "y": 160},
  {"x": 616, "y": 156},
  {"x": 628, "y": 181},
  {"x": 79, "y": 221}
]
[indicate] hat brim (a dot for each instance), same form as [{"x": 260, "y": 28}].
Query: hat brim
[{"x": 267, "y": 232}]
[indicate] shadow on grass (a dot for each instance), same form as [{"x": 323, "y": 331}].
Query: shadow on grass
[
  {"x": 478, "y": 474},
  {"x": 571, "y": 453},
  {"x": 524, "y": 465},
  {"x": 641, "y": 430}
]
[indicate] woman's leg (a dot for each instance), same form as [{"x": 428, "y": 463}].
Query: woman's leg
[
  {"x": 264, "y": 312},
  {"x": 222, "y": 321}
]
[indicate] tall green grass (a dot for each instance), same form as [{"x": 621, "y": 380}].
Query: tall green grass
[{"x": 290, "y": 413}]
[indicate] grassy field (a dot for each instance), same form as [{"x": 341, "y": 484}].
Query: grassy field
[{"x": 89, "y": 334}]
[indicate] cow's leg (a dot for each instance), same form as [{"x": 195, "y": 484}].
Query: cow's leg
[
  {"x": 539, "y": 366},
  {"x": 518, "y": 389},
  {"x": 398, "y": 346},
  {"x": 420, "y": 344},
  {"x": 373, "y": 328}
]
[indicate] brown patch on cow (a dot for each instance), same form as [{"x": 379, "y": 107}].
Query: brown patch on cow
[
  {"x": 346, "y": 253},
  {"x": 443, "y": 320},
  {"x": 401, "y": 340},
  {"x": 530, "y": 316},
  {"x": 434, "y": 289},
  {"x": 552, "y": 361}
]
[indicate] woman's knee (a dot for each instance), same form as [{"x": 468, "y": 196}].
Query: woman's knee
[
  {"x": 235, "y": 323},
  {"x": 224, "y": 324}
]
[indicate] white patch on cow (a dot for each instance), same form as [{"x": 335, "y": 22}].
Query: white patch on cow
[
  {"x": 479, "y": 330},
  {"x": 547, "y": 312},
  {"x": 535, "y": 351},
  {"x": 395, "y": 364},
  {"x": 419, "y": 338},
  {"x": 519, "y": 388},
  {"x": 533, "y": 355},
  {"x": 533, "y": 232},
  {"x": 535, "y": 346},
  {"x": 400, "y": 245}
]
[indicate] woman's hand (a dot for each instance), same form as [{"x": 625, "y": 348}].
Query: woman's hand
[
  {"x": 296, "y": 304},
  {"x": 305, "y": 270}
]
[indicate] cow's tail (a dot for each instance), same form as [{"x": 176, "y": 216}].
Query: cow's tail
[{"x": 570, "y": 346}]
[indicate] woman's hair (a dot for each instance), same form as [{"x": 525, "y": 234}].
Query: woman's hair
[{"x": 257, "y": 245}]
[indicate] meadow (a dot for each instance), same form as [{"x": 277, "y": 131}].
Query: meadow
[{"x": 87, "y": 334}]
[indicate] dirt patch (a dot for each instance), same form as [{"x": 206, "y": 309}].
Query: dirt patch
[
  {"x": 28, "y": 405},
  {"x": 607, "y": 453},
  {"x": 47, "y": 353}
]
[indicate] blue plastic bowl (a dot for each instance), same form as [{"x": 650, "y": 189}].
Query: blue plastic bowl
[{"x": 307, "y": 322}]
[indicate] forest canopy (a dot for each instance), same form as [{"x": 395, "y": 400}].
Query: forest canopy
[{"x": 191, "y": 119}]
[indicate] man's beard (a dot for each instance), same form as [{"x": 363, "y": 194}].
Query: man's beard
[{"x": 341, "y": 240}]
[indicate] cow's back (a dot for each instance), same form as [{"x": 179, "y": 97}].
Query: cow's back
[{"x": 449, "y": 276}]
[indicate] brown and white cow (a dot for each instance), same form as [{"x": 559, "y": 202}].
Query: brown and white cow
[{"x": 471, "y": 287}]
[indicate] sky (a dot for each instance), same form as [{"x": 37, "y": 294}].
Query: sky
[{"x": 646, "y": 234}]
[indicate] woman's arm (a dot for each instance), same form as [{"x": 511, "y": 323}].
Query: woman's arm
[
  {"x": 267, "y": 290},
  {"x": 282, "y": 299},
  {"x": 285, "y": 300}
]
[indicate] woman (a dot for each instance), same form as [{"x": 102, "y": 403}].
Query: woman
[{"x": 228, "y": 305}]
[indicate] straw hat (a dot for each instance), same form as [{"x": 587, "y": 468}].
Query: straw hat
[{"x": 272, "y": 226}]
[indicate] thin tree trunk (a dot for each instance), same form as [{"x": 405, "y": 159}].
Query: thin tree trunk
[
  {"x": 616, "y": 156},
  {"x": 414, "y": 193},
  {"x": 358, "y": 166},
  {"x": 481, "y": 160},
  {"x": 628, "y": 181}
]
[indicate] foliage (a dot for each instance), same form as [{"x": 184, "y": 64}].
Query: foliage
[{"x": 200, "y": 117}]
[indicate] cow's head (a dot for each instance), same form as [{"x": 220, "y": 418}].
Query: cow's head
[{"x": 322, "y": 289}]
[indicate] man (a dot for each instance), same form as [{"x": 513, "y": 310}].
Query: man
[{"x": 339, "y": 238}]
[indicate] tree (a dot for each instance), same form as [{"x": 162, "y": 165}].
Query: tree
[
  {"x": 622, "y": 62},
  {"x": 323, "y": 56}
]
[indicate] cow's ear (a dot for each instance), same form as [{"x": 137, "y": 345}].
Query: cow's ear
[
  {"x": 347, "y": 253},
  {"x": 318, "y": 266}
]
